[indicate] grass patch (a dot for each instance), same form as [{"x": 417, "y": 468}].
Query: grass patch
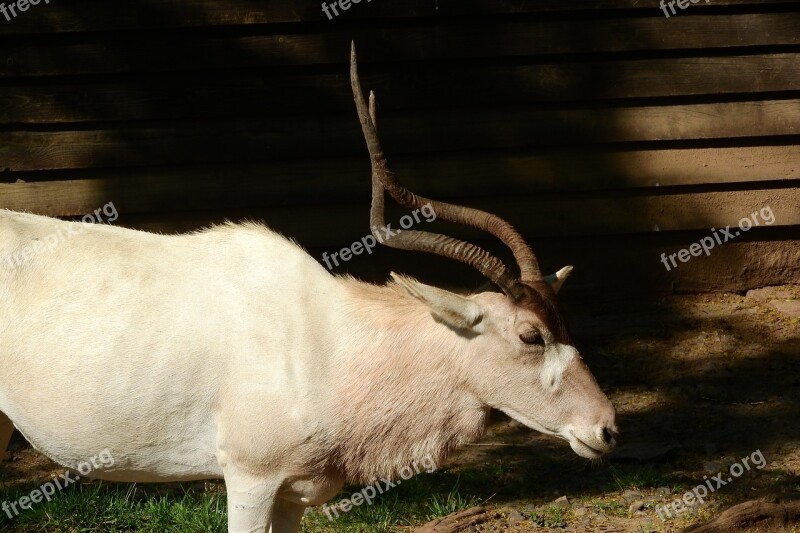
[
  {"x": 627, "y": 476},
  {"x": 116, "y": 508},
  {"x": 100, "y": 507},
  {"x": 611, "y": 507},
  {"x": 416, "y": 501},
  {"x": 550, "y": 516}
]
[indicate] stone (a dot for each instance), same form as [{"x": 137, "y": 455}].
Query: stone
[
  {"x": 787, "y": 307},
  {"x": 562, "y": 502},
  {"x": 663, "y": 492},
  {"x": 769, "y": 293},
  {"x": 631, "y": 496},
  {"x": 515, "y": 518},
  {"x": 638, "y": 505}
]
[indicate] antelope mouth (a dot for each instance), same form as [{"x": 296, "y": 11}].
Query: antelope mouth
[
  {"x": 585, "y": 450},
  {"x": 579, "y": 446},
  {"x": 590, "y": 449}
]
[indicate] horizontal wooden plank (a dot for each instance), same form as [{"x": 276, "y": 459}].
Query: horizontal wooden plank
[
  {"x": 478, "y": 40},
  {"x": 429, "y": 131},
  {"x": 617, "y": 265},
  {"x": 345, "y": 180},
  {"x": 101, "y": 15},
  {"x": 252, "y": 94},
  {"x": 550, "y": 215}
]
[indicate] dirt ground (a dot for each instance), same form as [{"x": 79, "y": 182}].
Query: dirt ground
[{"x": 699, "y": 382}]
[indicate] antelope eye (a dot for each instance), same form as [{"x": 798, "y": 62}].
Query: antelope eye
[{"x": 532, "y": 337}]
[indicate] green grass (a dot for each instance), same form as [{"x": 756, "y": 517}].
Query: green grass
[
  {"x": 626, "y": 476},
  {"x": 611, "y": 508},
  {"x": 551, "y": 516},
  {"x": 117, "y": 508},
  {"x": 104, "y": 507},
  {"x": 419, "y": 500}
]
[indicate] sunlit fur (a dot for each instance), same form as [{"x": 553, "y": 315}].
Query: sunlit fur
[
  {"x": 395, "y": 401},
  {"x": 230, "y": 353}
]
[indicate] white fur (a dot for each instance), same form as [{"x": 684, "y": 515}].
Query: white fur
[
  {"x": 557, "y": 359},
  {"x": 230, "y": 353}
]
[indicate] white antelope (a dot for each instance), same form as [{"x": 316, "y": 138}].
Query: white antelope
[{"x": 232, "y": 354}]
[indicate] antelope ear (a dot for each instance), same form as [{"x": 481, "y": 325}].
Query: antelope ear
[
  {"x": 452, "y": 309},
  {"x": 557, "y": 280}
]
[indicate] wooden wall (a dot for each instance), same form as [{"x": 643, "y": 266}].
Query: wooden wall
[{"x": 606, "y": 132}]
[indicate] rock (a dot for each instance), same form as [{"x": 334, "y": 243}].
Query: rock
[
  {"x": 562, "y": 502},
  {"x": 580, "y": 511},
  {"x": 787, "y": 307},
  {"x": 515, "y": 518},
  {"x": 636, "y": 506},
  {"x": 531, "y": 508},
  {"x": 778, "y": 298},
  {"x": 663, "y": 492},
  {"x": 769, "y": 293},
  {"x": 630, "y": 496}
]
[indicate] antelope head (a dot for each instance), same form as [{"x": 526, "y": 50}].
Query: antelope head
[{"x": 526, "y": 364}]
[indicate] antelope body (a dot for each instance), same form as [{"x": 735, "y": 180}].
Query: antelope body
[{"x": 232, "y": 354}]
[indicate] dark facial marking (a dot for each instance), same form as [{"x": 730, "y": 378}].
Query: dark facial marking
[{"x": 541, "y": 300}]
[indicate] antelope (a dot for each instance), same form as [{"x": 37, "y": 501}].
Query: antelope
[{"x": 230, "y": 353}]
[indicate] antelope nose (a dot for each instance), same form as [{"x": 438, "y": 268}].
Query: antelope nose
[{"x": 608, "y": 436}]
